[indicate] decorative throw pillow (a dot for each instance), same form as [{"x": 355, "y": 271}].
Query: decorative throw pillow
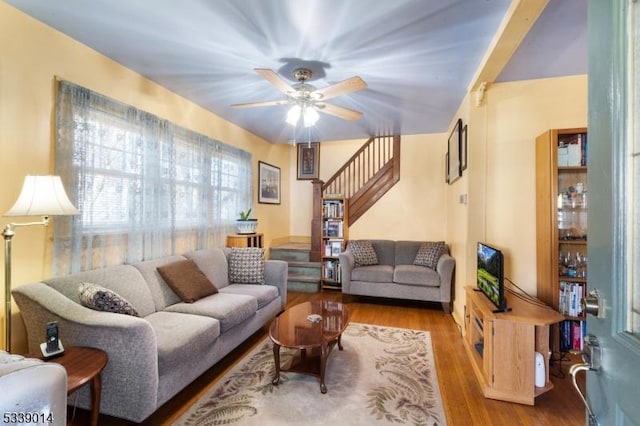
[
  {"x": 187, "y": 280},
  {"x": 102, "y": 299},
  {"x": 429, "y": 254},
  {"x": 363, "y": 253},
  {"x": 246, "y": 265}
]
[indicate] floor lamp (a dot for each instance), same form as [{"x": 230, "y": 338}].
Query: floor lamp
[{"x": 40, "y": 196}]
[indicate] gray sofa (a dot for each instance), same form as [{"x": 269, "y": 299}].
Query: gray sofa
[
  {"x": 396, "y": 276},
  {"x": 154, "y": 356}
]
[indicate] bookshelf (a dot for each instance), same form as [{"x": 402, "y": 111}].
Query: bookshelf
[
  {"x": 561, "y": 222},
  {"x": 334, "y": 238}
]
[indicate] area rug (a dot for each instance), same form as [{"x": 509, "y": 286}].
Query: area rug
[{"x": 383, "y": 376}]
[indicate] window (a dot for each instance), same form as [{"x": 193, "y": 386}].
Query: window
[{"x": 144, "y": 187}]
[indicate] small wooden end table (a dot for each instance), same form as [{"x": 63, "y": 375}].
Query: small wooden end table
[
  {"x": 84, "y": 365},
  {"x": 244, "y": 240},
  {"x": 315, "y": 340}
]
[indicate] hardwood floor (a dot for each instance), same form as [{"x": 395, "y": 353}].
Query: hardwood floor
[{"x": 461, "y": 394}]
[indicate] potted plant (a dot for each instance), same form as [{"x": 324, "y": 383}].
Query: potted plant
[{"x": 245, "y": 224}]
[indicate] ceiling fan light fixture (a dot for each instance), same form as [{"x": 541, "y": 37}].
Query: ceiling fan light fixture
[
  {"x": 306, "y": 100},
  {"x": 310, "y": 116},
  {"x": 294, "y": 115}
]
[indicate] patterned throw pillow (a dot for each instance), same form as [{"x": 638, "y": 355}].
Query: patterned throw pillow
[
  {"x": 363, "y": 253},
  {"x": 102, "y": 299},
  {"x": 429, "y": 254},
  {"x": 246, "y": 265}
]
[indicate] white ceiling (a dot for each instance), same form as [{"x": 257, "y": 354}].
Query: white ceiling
[{"x": 417, "y": 56}]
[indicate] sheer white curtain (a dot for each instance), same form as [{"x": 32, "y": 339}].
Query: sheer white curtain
[{"x": 145, "y": 188}]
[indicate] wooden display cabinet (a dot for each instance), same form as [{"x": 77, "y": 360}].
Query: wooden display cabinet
[
  {"x": 502, "y": 346},
  {"x": 561, "y": 230}
]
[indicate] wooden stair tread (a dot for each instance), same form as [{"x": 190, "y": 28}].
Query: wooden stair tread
[{"x": 293, "y": 246}]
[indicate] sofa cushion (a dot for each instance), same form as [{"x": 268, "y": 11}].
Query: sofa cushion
[
  {"x": 373, "y": 273},
  {"x": 429, "y": 253},
  {"x": 263, "y": 293},
  {"x": 213, "y": 263},
  {"x": 416, "y": 275},
  {"x": 99, "y": 298},
  {"x": 123, "y": 279},
  {"x": 246, "y": 265},
  {"x": 385, "y": 250},
  {"x": 187, "y": 280},
  {"x": 363, "y": 253},
  {"x": 182, "y": 337},
  {"x": 229, "y": 309},
  {"x": 161, "y": 294}
]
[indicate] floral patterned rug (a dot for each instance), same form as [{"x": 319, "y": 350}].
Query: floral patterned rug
[{"x": 383, "y": 376}]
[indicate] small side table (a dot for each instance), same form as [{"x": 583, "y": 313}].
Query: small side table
[
  {"x": 84, "y": 365},
  {"x": 244, "y": 240}
]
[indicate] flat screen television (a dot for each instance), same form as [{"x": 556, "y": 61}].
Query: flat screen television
[{"x": 490, "y": 275}]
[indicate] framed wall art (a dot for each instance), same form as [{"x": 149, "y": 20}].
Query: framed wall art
[
  {"x": 454, "y": 171},
  {"x": 463, "y": 149},
  {"x": 268, "y": 183},
  {"x": 308, "y": 160}
]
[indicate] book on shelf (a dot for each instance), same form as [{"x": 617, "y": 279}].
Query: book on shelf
[
  {"x": 332, "y": 248},
  {"x": 571, "y": 294},
  {"x": 332, "y": 271},
  {"x": 572, "y": 150},
  {"x": 336, "y": 247},
  {"x": 572, "y": 333},
  {"x": 333, "y": 228},
  {"x": 333, "y": 209}
]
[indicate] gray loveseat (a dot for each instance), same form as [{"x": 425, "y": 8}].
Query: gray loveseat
[
  {"x": 394, "y": 275},
  {"x": 154, "y": 356}
]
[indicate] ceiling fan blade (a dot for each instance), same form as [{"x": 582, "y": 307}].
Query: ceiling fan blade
[
  {"x": 260, "y": 104},
  {"x": 273, "y": 78},
  {"x": 343, "y": 87},
  {"x": 338, "y": 111}
]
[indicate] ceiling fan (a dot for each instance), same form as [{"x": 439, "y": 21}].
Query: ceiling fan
[{"x": 305, "y": 99}]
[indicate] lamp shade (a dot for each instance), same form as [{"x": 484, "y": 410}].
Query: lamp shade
[{"x": 42, "y": 196}]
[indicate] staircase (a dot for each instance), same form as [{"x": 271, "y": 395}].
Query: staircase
[
  {"x": 303, "y": 275},
  {"x": 363, "y": 180},
  {"x": 367, "y": 175}
]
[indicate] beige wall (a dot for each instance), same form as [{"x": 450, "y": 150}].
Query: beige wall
[
  {"x": 517, "y": 114},
  {"x": 458, "y": 214},
  {"x": 32, "y": 55},
  {"x": 500, "y": 180},
  {"x": 412, "y": 210}
]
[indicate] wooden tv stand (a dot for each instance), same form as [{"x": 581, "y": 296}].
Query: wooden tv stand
[{"x": 502, "y": 346}]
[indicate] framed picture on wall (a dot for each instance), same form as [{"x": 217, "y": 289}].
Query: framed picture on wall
[
  {"x": 463, "y": 149},
  {"x": 308, "y": 160},
  {"x": 268, "y": 183},
  {"x": 454, "y": 171}
]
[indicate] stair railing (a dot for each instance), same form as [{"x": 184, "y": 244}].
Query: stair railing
[
  {"x": 376, "y": 153},
  {"x": 362, "y": 180}
]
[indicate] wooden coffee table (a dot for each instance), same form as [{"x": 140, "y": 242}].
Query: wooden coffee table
[
  {"x": 315, "y": 340},
  {"x": 84, "y": 365}
]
